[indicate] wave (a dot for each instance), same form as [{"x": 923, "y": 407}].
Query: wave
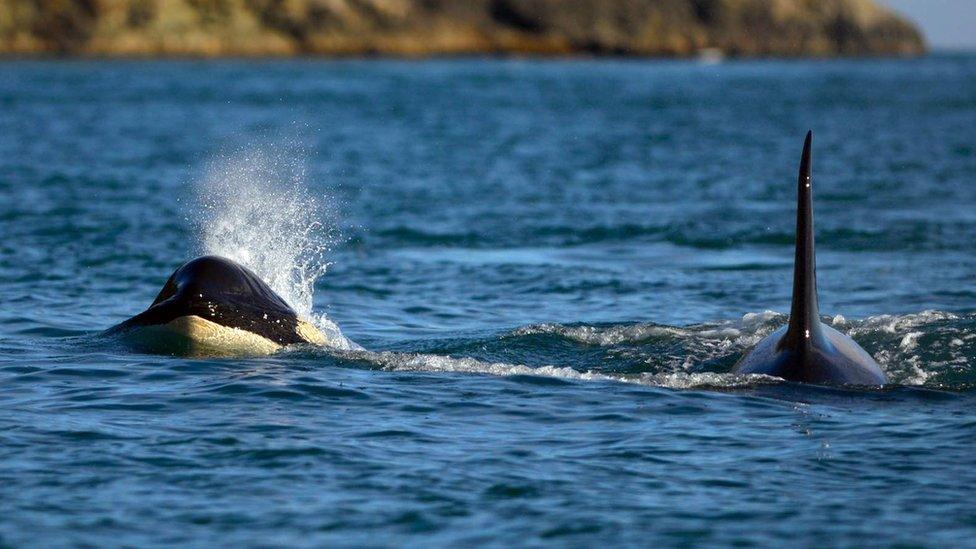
[
  {"x": 932, "y": 349},
  {"x": 425, "y": 362}
]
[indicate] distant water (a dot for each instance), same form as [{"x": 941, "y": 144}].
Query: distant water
[{"x": 551, "y": 268}]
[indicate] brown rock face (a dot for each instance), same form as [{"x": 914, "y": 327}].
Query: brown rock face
[{"x": 447, "y": 27}]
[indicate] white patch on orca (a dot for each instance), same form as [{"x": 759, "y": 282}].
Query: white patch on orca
[{"x": 194, "y": 336}]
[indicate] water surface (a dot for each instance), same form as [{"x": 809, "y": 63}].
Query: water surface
[{"x": 551, "y": 267}]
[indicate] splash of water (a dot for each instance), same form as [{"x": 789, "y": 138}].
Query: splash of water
[{"x": 254, "y": 208}]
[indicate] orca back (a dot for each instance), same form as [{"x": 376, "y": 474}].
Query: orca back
[{"x": 807, "y": 350}]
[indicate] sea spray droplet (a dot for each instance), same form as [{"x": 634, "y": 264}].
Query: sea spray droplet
[{"x": 254, "y": 208}]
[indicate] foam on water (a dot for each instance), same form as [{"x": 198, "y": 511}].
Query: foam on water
[
  {"x": 423, "y": 362},
  {"x": 921, "y": 348}
]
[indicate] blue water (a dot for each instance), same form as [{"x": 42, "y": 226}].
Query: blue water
[{"x": 551, "y": 267}]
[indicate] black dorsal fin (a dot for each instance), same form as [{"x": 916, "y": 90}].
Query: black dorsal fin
[{"x": 805, "y": 311}]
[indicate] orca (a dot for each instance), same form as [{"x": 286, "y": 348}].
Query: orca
[
  {"x": 807, "y": 350},
  {"x": 213, "y": 306}
]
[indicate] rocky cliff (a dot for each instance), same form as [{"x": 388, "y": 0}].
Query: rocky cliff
[{"x": 447, "y": 27}]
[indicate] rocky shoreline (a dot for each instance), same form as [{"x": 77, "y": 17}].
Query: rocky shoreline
[{"x": 422, "y": 28}]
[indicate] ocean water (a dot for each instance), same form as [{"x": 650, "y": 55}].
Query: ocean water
[{"x": 544, "y": 271}]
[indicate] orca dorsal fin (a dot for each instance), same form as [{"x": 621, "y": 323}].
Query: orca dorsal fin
[{"x": 805, "y": 310}]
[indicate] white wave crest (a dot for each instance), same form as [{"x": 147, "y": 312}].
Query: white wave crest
[{"x": 420, "y": 362}]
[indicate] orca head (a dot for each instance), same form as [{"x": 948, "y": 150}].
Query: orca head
[
  {"x": 220, "y": 280},
  {"x": 223, "y": 292}
]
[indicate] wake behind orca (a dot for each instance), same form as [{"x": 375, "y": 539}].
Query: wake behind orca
[
  {"x": 807, "y": 350},
  {"x": 212, "y": 306}
]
